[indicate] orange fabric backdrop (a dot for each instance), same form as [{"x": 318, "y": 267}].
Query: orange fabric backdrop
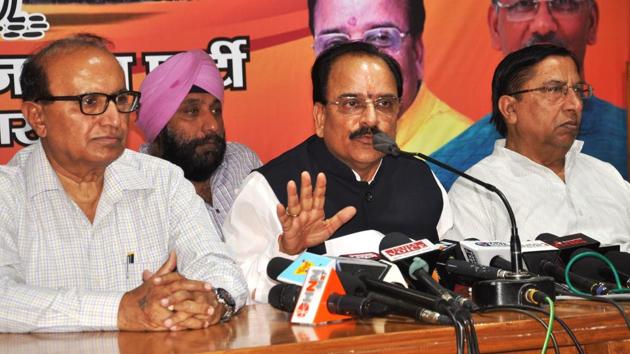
[{"x": 273, "y": 113}]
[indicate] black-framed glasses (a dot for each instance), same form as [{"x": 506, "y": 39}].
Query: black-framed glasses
[
  {"x": 525, "y": 10},
  {"x": 389, "y": 38},
  {"x": 388, "y": 106},
  {"x": 95, "y": 103},
  {"x": 560, "y": 91}
]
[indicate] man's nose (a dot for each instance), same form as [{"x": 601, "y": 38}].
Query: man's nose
[
  {"x": 573, "y": 101},
  {"x": 369, "y": 116},
  {"x": 209, "y": 123},
  {"x": 111, "y": 116},
  {"x": 544, "y": 21}
]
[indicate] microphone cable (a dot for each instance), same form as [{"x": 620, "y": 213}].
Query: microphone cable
[
  {"x": 619, "y": 289},
  {"x": 564, "y": 325},
  {"x": 598, "y": 299},
  {"x": 530, "y": 314},
  {"x": 536, "y": 297}
]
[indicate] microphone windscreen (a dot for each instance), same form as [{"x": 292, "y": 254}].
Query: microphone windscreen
[
  {"x": 393, "y": 239},
  {"x": 621, "y": 260},
  {"x": 587, "y": 266},
  {"x": 385, "y": 144},
  {"x": 352, "y": 284},
  {"x": 276, "y": 266},
  {"x": 284, "y": 296},
  {"x": 501, "y": 263}
]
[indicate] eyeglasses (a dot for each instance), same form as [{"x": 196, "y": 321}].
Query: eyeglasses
[
  {"x": 558, "y": 92},
  {"x": 388, "y": 106},
  {"x": 525, "y": 10},
  {"x": 96, "y": 103},
  {"x": 389, "y": 38}
]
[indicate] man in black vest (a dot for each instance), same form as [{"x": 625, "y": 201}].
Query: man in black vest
[{"x": 356, "y": 93}]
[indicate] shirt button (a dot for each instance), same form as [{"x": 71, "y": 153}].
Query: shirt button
[{"x": 369, "y": 196}]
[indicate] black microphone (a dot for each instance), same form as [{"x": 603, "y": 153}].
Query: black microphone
[
  {"x": 621, "y": 261},
  {"x": 418, "y": 271},
  {"x": 476, "y": 271},
  {"x": 284, "y": 296},
  {"x": 276, "y": 266},
  {"x": 405, "y": 308},
  {"x": 355, "y": 306},
  {"x": 592, "y": 286},
  {"x": 383, "y": 143},
  {"x": 501, "y": 263}
]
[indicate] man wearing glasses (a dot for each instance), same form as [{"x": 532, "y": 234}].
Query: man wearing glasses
[
  {"x": 537, "y": 101},
  {"x": 394, "y": 26},
  {"x": 356, "y": 93},
  {"x": 94, "y": 236},
  {"x": 572, "y": 24}
]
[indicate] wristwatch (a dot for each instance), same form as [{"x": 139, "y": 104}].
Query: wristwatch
[{"x": 224, "y": 298}]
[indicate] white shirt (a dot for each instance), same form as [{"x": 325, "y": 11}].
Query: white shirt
[
  {"x": 59, "y": 272},
  {"x": 252, "y": 229},
  {"x": 593, "y": 200}
]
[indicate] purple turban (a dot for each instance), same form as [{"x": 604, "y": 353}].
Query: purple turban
[{"x": 164, "y": 89}]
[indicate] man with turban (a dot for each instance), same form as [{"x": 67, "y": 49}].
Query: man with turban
[{"x": 181, "y": 118}]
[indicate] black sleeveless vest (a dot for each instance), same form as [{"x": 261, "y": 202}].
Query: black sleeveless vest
[{"x": 403, "y": 196}]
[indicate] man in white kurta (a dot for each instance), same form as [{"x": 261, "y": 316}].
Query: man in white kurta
[{"x": 552, "y": 187}]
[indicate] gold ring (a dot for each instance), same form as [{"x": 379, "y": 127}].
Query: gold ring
[{"x": 286, "y": 210}]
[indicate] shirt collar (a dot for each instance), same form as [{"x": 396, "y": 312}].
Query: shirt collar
[
  {"x": 358, "y": 178},
  {"x": 119, "y": 175},
  {"x": 501, "y": 150}
]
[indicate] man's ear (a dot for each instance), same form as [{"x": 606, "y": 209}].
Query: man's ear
[
  {"x": 34, "y": 115},
  {"x": 507, "y": 107},
  {"x": 493, "y": 27},
  {"x": 593, "y": 22},
  {"x": 319, "y": 116}
]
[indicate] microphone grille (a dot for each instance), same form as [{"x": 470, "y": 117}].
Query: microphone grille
[{"x": 385, "y": 144}]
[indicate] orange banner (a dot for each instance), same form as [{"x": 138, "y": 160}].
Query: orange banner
[{"x": 265, "y": 49}]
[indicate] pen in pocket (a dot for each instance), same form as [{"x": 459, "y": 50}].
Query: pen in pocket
[{"x": 130, "y": 260}]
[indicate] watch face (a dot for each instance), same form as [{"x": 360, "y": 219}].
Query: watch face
[{"x": 225, "y": 296}]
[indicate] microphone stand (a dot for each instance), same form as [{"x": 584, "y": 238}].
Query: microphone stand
[{"x": 491, "y": 292}]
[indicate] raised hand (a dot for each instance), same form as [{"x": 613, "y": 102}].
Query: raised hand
[{"x": 303, "y": 220}]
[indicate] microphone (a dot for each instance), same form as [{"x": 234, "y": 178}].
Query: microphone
[
  {"x": 500, "y": 262},
  {"x": 383, "y": 143},
  {"x": 284, "y": 296},
  {"x": 400, "y": 249},
  {"x": 355, "y": 306},
  {"x": 405, "y": 308},
  {"x": 418, "y": 271},
  {"x": 276, "y": 266},
  {"x": 568, "y": 244},
  {"x": 489, "y": 292},
  {"x": 476, "y": 271},
  {"x": 590, "y": 285},
  {"x": 397, "y": 247},
  {"x": 598, "y": 270},
  {"x": 621, "y": 261}
]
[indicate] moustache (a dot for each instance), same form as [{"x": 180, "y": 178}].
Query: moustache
[
  {"x": 364, "y": 131},
  {"x": 212, "y": 138},
  {"x": 550, "y": 38}
]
